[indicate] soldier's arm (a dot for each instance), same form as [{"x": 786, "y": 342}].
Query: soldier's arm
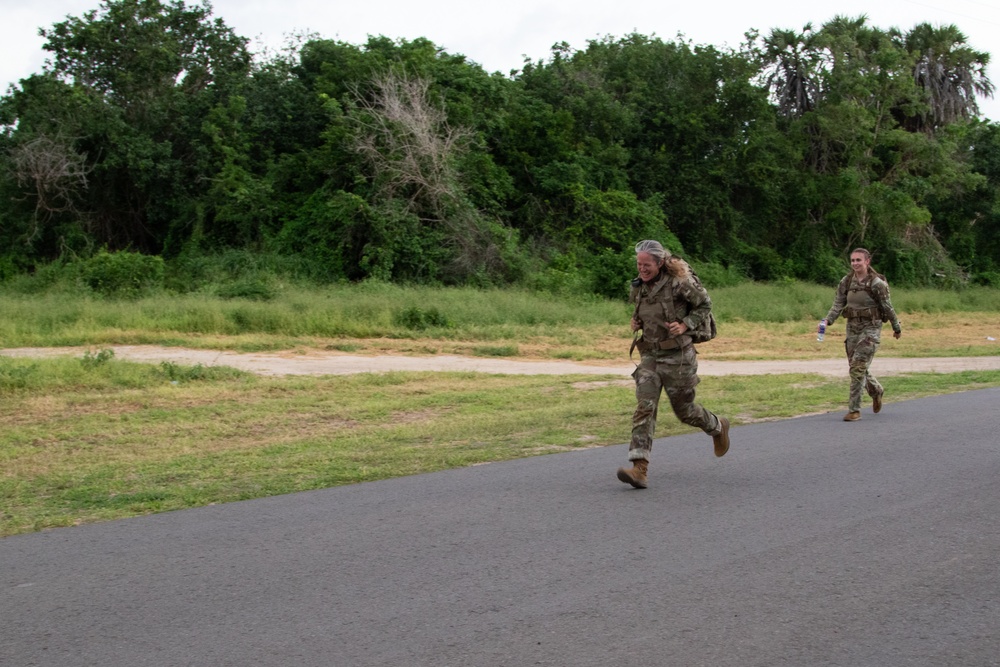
[
  {"x": 699, "y": 301},
  {"x": 839, "y": 301},
  {"x": 881, "y": 292}
]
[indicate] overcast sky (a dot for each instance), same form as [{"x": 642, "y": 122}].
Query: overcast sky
[{"x": 499, "y": 35}]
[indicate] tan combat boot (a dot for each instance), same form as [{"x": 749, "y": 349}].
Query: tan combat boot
[
  {"x": 877, "y": 402},
  {"x": 636, "y": 475},
  {"x": 721, "y": 440},
  {"x": 852, "y": 416}
]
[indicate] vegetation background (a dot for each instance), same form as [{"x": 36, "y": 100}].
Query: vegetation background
[
  {"x": 154, "y": 143},
  {"x": 160, "y": 183}
]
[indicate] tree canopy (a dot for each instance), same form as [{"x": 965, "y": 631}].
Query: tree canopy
[{"x": 154, "y": 129}]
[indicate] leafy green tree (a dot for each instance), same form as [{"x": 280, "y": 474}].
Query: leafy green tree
[
  {"x": 405, "y": 131},
  {"x": 871, "y": 177},
  {"x": 968, "y": 222},
  {"x": 651, "y": 125},
  {"x": 129, "y": 86}
]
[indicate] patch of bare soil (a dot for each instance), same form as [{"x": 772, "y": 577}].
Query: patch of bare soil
[{"x": 337, "y": 363}]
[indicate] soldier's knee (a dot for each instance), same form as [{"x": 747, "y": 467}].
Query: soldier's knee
[
  {"x": 680, "y": 398},
  {"x": 645, "y": 409},
  {"x": 647, "y": 387}
]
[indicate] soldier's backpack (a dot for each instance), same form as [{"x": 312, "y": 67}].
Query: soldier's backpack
[{"x": 707, "y": 330}]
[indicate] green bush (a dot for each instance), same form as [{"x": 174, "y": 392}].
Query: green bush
[
  {"x": 713, "y": 275},
  {"x": 55, "y": 276},
  {"x": 90, "y": 361},
  {"x": 254, "y": 289},
  {"x": 418, "y": 319},
  {"x": 122, "y": 273},
  {"x": 15, "y": 374},
  {"x": 987, "y": 279}
]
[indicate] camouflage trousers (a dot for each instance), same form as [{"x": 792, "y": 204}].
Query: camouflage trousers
[
  {"x": 677, "y": 373},
  {"x": 861, "y": 344}
]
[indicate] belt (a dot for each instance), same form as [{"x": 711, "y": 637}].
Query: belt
[
  {"x": 862, "y": 313},
  {"x": 677, "y": 343}
]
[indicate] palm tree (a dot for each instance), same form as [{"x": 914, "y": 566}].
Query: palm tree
[
  {"x": 949, "y": 72},
  {"x": 791, "y": 70}
]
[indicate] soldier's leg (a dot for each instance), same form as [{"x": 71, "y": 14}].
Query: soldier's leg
[
  {"x": 647, "y": 397},
  {"x": 691, "y": 413},
  {"x": 694, "y": 414},
  {"x": 854, "y": 394},
  {"x": 680, "y": 381},
  {"x": 872, "y": 385},
  {"x": 862, "y": 353}
]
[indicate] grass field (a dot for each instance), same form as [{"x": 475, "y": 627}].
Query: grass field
[{"x": 96, "y": 438}]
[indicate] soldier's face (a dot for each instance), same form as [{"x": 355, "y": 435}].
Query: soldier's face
[
  {"x": 647, "y": 265},
  {"x": 859, "y": 262}
]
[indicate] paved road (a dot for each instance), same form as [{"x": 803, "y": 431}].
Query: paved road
[
  {"x": 344, "y": 364},
  {"x": 813, "y": 542}
]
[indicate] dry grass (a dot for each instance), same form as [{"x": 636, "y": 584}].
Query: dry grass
[{"x": 924, "y": 335}]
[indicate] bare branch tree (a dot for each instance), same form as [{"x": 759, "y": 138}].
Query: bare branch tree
[
  {"x": 413, "y": 153},
  {"x": 409, "y": 144},
  {"x": 52, "y": 173}
]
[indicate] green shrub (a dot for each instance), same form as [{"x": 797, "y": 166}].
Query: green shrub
[
  {"x": 713, "y": 275},
  {"x": 611, "y": 273},
  {"x": 987, "y": 279},
  {"x": 51, "y": 277},
  {"x": 418, "y": 319},
  {"x": 15, "y": 374},
  {"x": 90, "y": 360},
  {"x": 254, "y": 289},
  {"x": 122, "y": 273}
]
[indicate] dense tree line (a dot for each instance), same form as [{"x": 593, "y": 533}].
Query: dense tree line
[{"x": 154, "y": 129}]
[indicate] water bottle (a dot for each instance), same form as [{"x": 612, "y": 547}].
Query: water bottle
[{"x": 822, "y": 330}]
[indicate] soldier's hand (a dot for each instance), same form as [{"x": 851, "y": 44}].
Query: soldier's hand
[
  {"x": 897, "y": 334},
  {"x": 677, "y": 328},
  {"x": 636, "y": 324}
]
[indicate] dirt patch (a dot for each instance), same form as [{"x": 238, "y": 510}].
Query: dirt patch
[{"x": 335, "y": 363}]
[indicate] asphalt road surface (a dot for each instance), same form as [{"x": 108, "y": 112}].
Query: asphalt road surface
[{"x": 813, "y": 542}]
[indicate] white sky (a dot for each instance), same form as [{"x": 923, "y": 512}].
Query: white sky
[{"x": 498, "y": 35}]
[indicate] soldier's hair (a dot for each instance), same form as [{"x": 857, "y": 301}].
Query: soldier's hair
[
  {"x": 654, "y": 248},
  {"x": 674, "y": 265}
]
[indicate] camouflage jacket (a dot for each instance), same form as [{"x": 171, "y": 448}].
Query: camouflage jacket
[
  {"x": 865, "y": 299},
  {"x": 670, "y": 299}
]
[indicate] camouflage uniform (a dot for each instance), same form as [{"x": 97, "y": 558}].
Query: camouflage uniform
[
  {"x": 667, "y": 362},
  {"x": 864, "y": 312}
]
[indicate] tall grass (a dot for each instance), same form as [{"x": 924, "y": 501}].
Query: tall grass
[
  {"x": 380, "y": 310},
  {"x": 358, "y": 311},
  {"x": 795, "y": 301}
]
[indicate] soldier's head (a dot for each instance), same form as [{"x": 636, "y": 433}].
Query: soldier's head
[
  {"x": 861, "y": 259},
  {"x": 650, "y": 256}
]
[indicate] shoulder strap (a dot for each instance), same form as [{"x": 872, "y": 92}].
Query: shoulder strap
[{"x": 845, "y": 282}]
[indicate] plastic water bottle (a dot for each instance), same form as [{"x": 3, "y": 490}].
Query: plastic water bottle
[{"x": 822, "y": 330}]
